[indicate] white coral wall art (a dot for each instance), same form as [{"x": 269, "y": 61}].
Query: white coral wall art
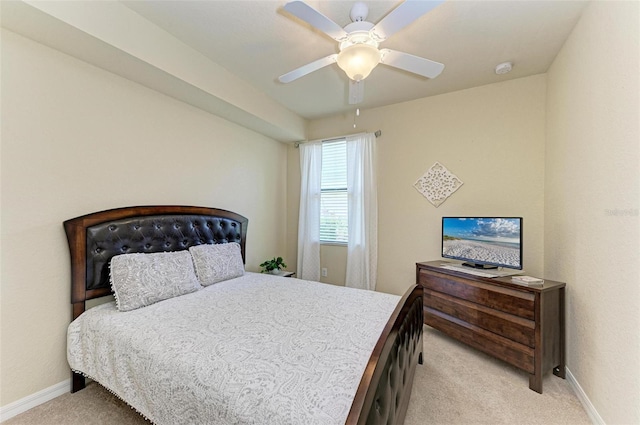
[{"x": 437, "y": 184}]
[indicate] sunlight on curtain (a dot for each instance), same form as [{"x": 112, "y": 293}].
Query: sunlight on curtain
[
  {"x": 362, "y": 248},
  {"x": 309, "y": 219}
]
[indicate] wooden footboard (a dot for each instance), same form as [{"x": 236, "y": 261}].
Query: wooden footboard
[{"x": 385, "y": 389}]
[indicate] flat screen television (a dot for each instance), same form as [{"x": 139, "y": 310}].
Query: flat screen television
[{"x": 483, "y": 242}]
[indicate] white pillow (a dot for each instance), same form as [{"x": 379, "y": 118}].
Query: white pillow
[
  {"x": 215, "y": 263},
  {"x": 139, "y": 280}
]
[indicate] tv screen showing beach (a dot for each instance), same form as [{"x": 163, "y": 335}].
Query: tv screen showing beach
[{"x": 492, "y": 241}]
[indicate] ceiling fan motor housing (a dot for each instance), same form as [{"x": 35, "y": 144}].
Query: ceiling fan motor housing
[{"x": 358, "y": 32}]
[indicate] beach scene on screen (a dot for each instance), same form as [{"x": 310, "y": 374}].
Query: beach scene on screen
[{"x": 487, "y": 240}]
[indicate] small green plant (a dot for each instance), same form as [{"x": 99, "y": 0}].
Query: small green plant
[{"x": 270, "y": 265}]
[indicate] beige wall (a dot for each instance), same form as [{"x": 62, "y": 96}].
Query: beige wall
[
  {"x": 76, "y": 139},
  {"x": 491, "y": 137},
  {"x": 592, "y": 237}
]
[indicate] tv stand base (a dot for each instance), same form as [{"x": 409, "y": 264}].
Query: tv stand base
[{"x": 479, "y": 266}]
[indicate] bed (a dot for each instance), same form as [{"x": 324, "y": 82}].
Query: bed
[{"x": 381, "y": 354}]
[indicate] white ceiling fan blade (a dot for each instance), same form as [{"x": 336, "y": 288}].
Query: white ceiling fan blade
[
  {"x": 308, "y": 68},
  {"x": 316, "y": 19},
  {"x": 402, "y": 16},
  {"x": 415, "y": 64},
  {"x": 356, "y": 92}
]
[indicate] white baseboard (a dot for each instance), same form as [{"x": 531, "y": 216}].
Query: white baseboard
[
  {"x": 596, "y": 419},
  {"x": 33, "y": 400}
]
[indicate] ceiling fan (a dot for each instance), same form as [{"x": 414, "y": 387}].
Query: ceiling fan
[{"x": 359, "y": 41}]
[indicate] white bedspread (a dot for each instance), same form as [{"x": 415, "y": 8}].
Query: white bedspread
[{"x": 259, "y": 349}]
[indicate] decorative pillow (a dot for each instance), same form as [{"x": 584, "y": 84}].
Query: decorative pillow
[
  {"x": 215, "y": 263},
  {"x": 139, "y": 280}
]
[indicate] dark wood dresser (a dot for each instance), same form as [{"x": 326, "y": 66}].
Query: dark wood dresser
[{"x": 522, "y": 325}]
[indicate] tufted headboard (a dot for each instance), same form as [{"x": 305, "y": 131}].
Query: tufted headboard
[{"x": 95, "y": 238}]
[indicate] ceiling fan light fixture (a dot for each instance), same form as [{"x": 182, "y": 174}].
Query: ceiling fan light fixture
[{"x": 358, "y": 60}]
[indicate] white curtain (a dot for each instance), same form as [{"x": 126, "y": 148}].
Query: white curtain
[
  {"x": 362, "y": 248},
  {"x": 309, "y": 219}
]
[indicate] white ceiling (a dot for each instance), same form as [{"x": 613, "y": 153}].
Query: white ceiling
[{"x": 257, "y": 41}]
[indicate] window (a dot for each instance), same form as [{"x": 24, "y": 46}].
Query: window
[{"x": 333, "y": 193}]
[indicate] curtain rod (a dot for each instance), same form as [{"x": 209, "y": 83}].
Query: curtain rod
[{"x": 378, "y": 133}]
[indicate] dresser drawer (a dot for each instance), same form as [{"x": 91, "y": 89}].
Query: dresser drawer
[
  {"x": 514, "y": 353},
  {"x": 518, "y": 303},
  {"x": 504, "y": 324}
]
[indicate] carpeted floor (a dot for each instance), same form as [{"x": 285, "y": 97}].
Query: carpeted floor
[{"x": 455, "y": 385}]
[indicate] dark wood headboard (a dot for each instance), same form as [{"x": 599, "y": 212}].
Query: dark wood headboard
[{"x": 95, "y": 238}]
